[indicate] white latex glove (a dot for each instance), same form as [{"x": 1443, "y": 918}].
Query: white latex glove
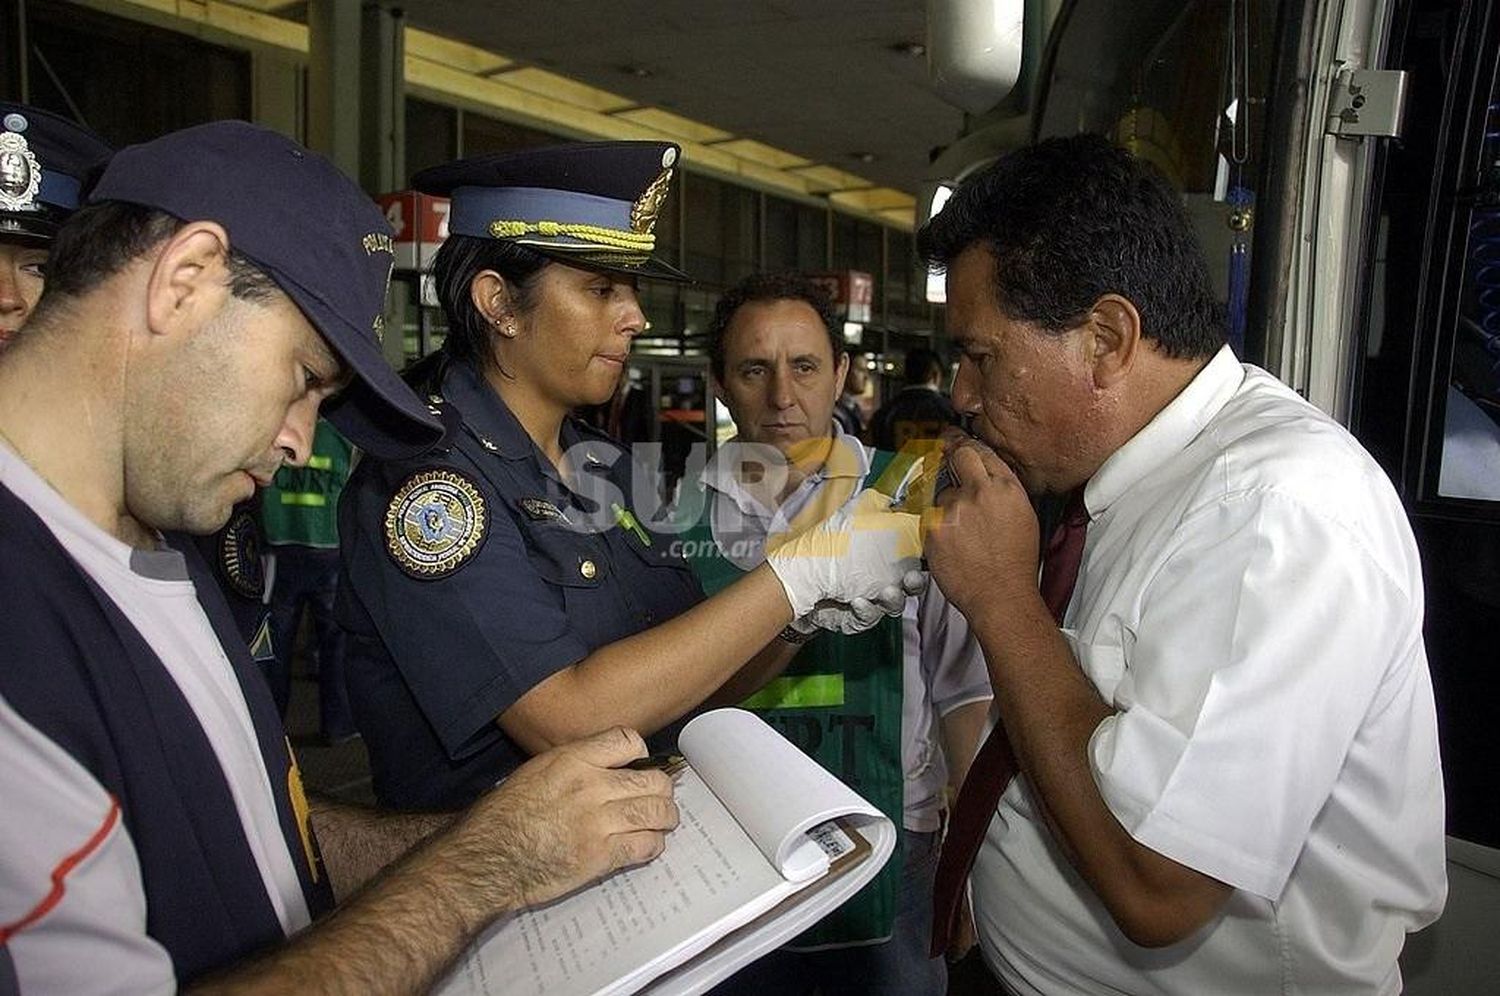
[
  {"x": 861, "y": 614},
  {"x": 857, "y": 552}
]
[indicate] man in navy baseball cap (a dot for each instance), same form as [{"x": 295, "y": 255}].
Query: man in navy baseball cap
[
  {"x": 302, "y": 223},
  {"x": 44, "y": 160},
  {"x": 218, "y": 286}
]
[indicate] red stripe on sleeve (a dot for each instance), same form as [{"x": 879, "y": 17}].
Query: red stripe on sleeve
[{"x": 60, "y": 874}]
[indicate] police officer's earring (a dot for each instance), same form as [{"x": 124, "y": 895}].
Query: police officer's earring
[{"x": 507, "y": 328}]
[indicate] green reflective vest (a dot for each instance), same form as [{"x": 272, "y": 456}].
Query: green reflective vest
[
  {"x": 839, "y": 700},
  {"x": 301, "y": 506}
]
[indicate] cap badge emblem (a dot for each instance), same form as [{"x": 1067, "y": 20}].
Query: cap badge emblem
[
  {"x": 646, "y": 207},
  {"x": 435, "y": 523},
  {"x": 20, "y": 173}
]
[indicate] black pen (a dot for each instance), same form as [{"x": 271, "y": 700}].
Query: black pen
[{"x": 670, "y": 763}]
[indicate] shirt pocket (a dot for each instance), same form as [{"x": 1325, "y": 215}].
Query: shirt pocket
[
  {"x": 564, "y": 556},
  {"x": 671, "y": 585}
]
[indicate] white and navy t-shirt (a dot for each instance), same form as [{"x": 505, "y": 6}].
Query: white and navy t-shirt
[{"x": 69, "y": 874}]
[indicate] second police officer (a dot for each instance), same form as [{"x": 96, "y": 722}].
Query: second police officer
[
  {"x": 504, "y": 592},
  {"x": 44, "y": 160}
]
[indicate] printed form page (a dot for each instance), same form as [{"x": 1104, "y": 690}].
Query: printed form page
[{"x": 613, "y": 937}]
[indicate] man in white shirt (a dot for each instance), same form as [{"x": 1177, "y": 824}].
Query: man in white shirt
[
  {"x": 1226, "y": 740},
  {"x": 219, "y": 286},
  {"x": 895, "y": 710}
]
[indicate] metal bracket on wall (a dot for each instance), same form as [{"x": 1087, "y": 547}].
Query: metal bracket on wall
[{"x": 1368, "y": 103}]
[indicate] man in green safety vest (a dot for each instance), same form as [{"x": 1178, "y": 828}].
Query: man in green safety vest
[
  {"x": 299, "y": 523},
  {"x": 896, "y": 709}
]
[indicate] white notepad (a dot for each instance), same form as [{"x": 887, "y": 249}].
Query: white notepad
[{"x": 769, "y": 844}]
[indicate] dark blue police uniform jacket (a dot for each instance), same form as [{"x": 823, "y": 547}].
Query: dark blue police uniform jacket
[{"x": 435, "y": 658}]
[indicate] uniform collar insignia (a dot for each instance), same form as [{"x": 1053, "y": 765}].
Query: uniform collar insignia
[
  {"x": 483, "y": 414},
  {"x": 261, "y": 647}
]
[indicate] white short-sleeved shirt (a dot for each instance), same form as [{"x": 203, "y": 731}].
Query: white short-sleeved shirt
[
  {"x": 943, "y": 667},
  {"x": 1250, "y": 602},
  {"x": 154, "y": 592}
]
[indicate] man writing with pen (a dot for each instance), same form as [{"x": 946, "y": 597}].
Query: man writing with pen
[{"x": 219, "y": 287}]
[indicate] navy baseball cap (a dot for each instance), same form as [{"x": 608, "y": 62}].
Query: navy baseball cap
[
  {"x": 590, "y": 204},
  {"x": 311, "y": 230},
  {"x": 44, "y": 162}
]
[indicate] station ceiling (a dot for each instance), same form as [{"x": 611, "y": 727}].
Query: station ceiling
[
  {"x": 815, "y": 99},
  {"x": 832, "y": 83}
]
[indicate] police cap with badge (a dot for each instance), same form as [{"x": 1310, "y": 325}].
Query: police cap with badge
[
  {"x": 593, "y": 205},
  {"x": 589, "y": 204},
  {"x": 45, "y": 161}
]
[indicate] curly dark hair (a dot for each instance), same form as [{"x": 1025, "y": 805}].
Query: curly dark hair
[
  {"x": 1071, "y": 219},
  {"x": 787, "y": 286}
]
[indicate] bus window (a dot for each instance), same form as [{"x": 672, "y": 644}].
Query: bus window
[
  {"x": 1182, "y": 85},
  {"x": 1469, "y": 463}
]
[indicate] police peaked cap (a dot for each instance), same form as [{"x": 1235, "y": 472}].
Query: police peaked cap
[
  {"x": 45, "y": 161},
  {"x": 590, "y": 204}
]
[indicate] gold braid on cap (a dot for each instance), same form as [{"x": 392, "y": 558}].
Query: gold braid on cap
[{"x": 612, "y": 238}]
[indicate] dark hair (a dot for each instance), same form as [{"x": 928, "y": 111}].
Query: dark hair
[
  {"x": 102, "y": 239},
  {"x": 920, "y": 365},
  {"x": 454, "y": 267},
  {"x": 787, "y": 286},
  {"x": 1071, "y": 219}
]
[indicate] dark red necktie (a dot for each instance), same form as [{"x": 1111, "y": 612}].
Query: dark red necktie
[{"x": 994, "y": 766}]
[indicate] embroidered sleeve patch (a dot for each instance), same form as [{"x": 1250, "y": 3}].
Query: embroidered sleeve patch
[
  {"x": 436, "y": 521},
  {"x": 239, "y": 556}
]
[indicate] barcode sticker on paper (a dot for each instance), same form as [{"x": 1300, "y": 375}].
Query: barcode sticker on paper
[{"x": 834, "y": 842}]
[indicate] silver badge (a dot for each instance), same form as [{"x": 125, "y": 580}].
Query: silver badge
[{"x": 20, "y": 173}]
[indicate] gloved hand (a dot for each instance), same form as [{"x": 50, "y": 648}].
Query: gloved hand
[
  {"x": 857, "y": 552},
  {"x": 861, "y": 614}
]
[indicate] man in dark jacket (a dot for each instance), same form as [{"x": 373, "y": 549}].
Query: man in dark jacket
[{"x": 220, "y": 285}]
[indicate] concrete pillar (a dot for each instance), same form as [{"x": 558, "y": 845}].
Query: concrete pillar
[
  {"x": 356, "y": 111},
  {"x": 382, "y": 99},
  {"x": 333, "y": 81},
  {"x": 276, "y": 95},
  {"x": 382, "y": 139}
]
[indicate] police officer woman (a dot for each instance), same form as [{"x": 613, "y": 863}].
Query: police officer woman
[
  {"x": 502, "y": 592},
  {"x": 43, "y": 159}
]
